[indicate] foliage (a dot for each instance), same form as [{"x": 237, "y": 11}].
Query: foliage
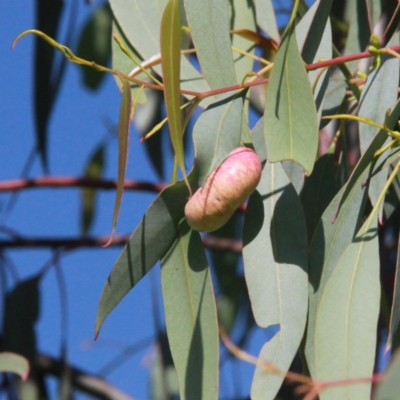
[{"x": 311, "y": 228}]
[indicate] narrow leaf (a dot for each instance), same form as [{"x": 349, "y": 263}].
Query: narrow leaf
[
  {"x": 275, "y": 262},
  {"x": 140, "y": 22},
  {"x": 389, "y": 388},
  {"x": 266, "y": 19},
  {"x": 319, "y": 189},
  {"x": 94, "y": 170},
  {"x": 12, "y": 362},
  {"x": 243, "y": 21},
  {"x": 393, "y": 341},
  {"x": 314, "y": 37},
  {"x": 95, "y": 45},
  {"x": 368, "y": 157},
  {"x": 311, "y": 30},
  {"x": 171, "y": 42},
  {"x": 121, "y": 62},
  {"x": 378, "y": 95},
  {"x": 191, "y": 317},
  {"x": 217, "y": 132},
  {"x": 209, "y": 27},
  {"x": 290, "y": 119},
  {"x": 334, "y": 96},
  {"x": 328, "y": 243},
  {"x": 123, "y": 144},
  {"x": 359, "y": 30},
  {"x": 347, "y": 316},
  {"x": 148, "y": 244},
  {"x": 295, "y": 173}
]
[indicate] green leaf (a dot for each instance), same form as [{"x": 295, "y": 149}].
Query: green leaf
[
  {"x": 242, "y": 18},
  {"x": 333, "y": 99},
  {"x": 290, "y": 119},
  {"x": 347, "y": 317},
  {"x": 313, "y": 32},
  {"x": 319, "y": 189},
  {"x": 121, "y": 62},
  {"x": 148, "y": 244},
  {"x": 22, "y": 310},
  {"x": 389, "y": 388},
  {"x": 258, "y": 138},
  {"x": 393, "y": 342},
  {"x": 230, "y": 282},
  {"x": 295, "y": 173},
  {"x": 12, "y": 362},
  {"x": 47, "y": 74},
  {"x": 190, "y": 316},
  {"x": 359, "y": 30},
  {"x": 328, "y": 243},
  {"x": 146, "y": 117},
  {"x": 171, "y": 42},
  {"x": 275, "y": 263},
  {"x": 217, "y": 132},
  {"x": 368, "y": 157},
  {"x": 95, "y": 45},
  {"x": 314, "y": 37},
  {"x": 94, "y": 170},
  {"x": 378, "y": 95},
  {"x": 123, "y": 146},
  {"x": 266, "y": 19},
  {"x": 140, "y": 21},
  {"x": 209, "y": 27}
]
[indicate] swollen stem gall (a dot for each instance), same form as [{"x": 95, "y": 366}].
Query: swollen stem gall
[{"x": 224, "y": 190}]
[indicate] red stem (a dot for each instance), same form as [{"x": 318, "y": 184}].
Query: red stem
[
  {"x": 309, "y": 67},
  {"x": 66, "y": 181},
  {"x": 211, "y": 242}
]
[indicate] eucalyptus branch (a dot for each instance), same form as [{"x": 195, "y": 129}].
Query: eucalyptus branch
[
  {"x": 66, "y": 181},
  {"x": 222, "y": 245},
  {"x": 201, "y": 95},
  {"x": 83, "y": 381}
]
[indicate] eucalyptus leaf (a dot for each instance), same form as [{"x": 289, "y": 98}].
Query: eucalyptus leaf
[
  {"x": 359, "y": 29},
  {"x": 389, "y": 388},
  {"x": 242, "y": 17},
  {"x": 209, "y": 27},
  {"x": 148, "y": 244},
  {"x": 393, "y": 341},
  {"x": 171, "y": 43},
  {"x": 266, "y": 18},
  {"x": 95, "y": 45},
  {"x": 12, "y": 362},
  {"x": 290, "y": 119},
  {"x": 140, "y": 22},
  {"x": 319, "y": 189},
  {"x": 190, "y": 315},
  {"x": 275, "y": 261},
  {"x": 368, "y": 157},
  {"x": 378, "y": 96},
  {"x": 328, "y": 243},
  {"x": 217, "y": 132},
  {"x": 123, "y": 147},
  {"x": 122, "y": 63},
  {"x": 94, "y": 170},
  {"x": 347, "y": 317}
]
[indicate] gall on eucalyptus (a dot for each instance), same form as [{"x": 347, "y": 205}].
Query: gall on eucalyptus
[{"x": 224, "y": 190}]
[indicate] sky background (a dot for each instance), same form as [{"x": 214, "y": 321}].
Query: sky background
[{"x": 80, "y": 120}]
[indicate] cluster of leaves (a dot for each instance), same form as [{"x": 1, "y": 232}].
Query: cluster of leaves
[{"x": 310, "y": 231}]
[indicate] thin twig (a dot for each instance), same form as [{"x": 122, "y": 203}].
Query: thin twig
[
  {"x": 211, "y": 242},
  {"x": 66, "y": 181}
]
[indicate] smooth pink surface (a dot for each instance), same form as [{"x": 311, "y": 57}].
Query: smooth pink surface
[{"x": 225, "y": 189}]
